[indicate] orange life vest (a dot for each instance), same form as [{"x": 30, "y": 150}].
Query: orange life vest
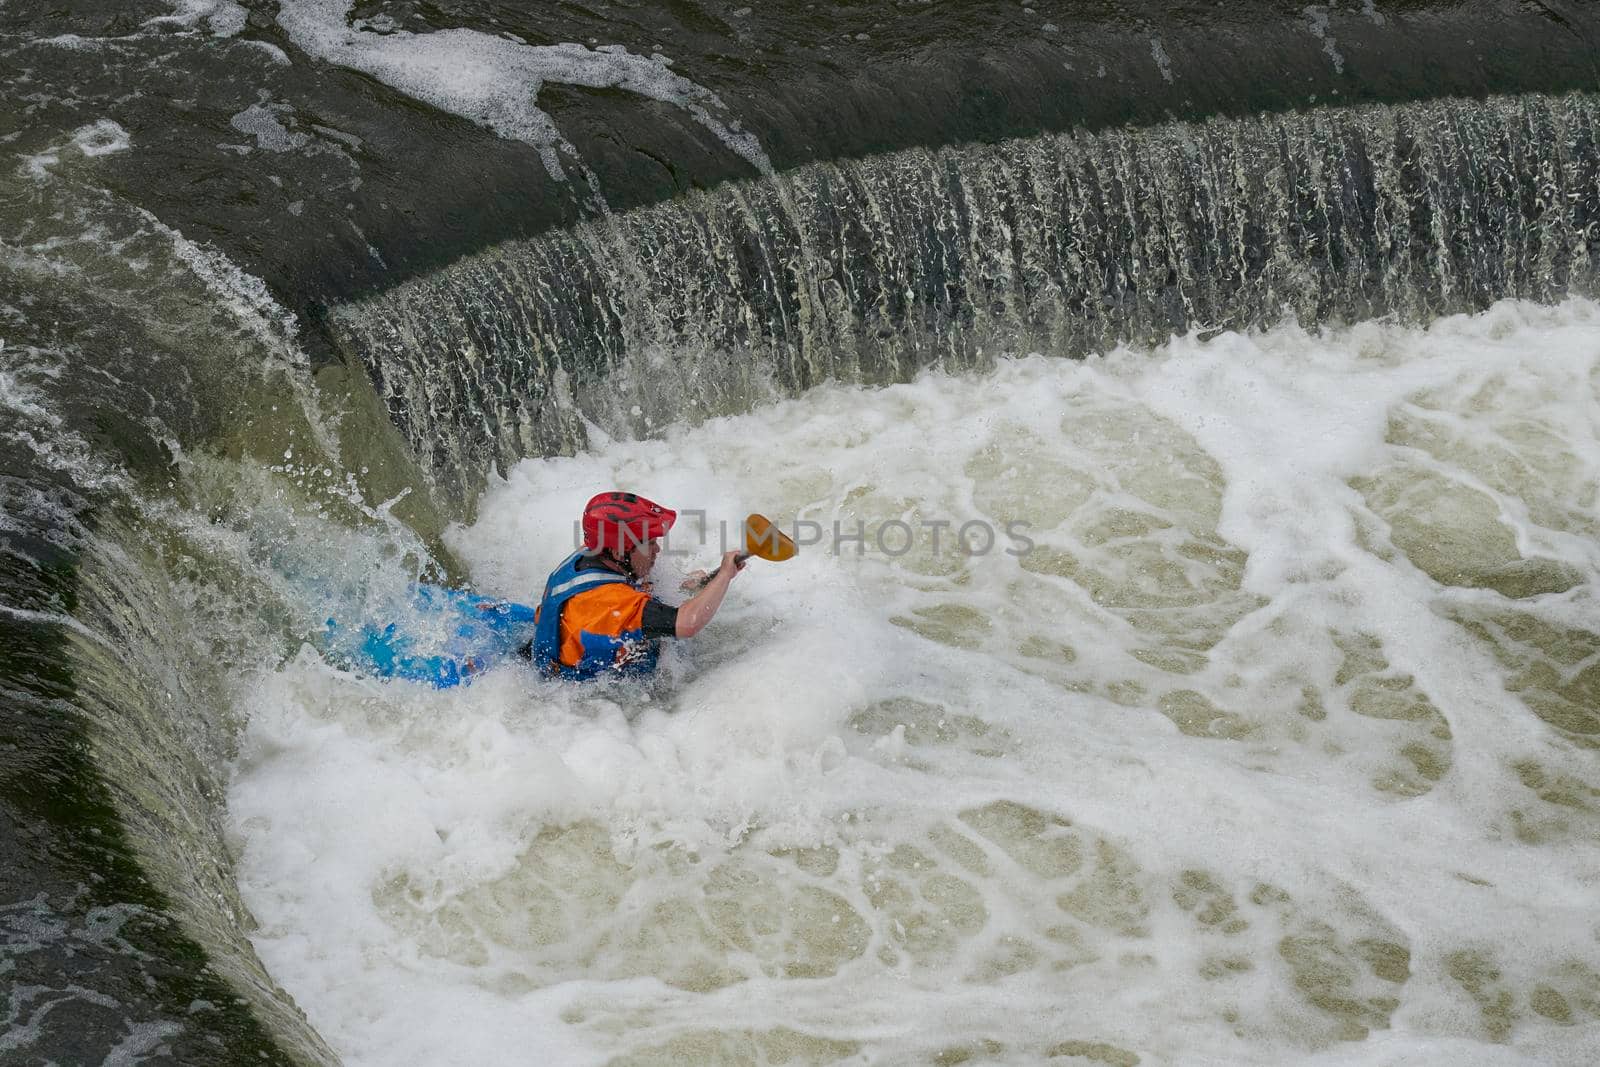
[{"x": 601, "y": 624}]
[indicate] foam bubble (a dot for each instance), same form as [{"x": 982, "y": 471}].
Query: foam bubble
[{"x": 101, "y": 138}]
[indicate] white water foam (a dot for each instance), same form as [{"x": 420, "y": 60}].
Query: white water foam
[
  {"x": 223, "y": 18},
  {"x": 496, "y": 82},
  {"x": 100, "y": 138},
  {"x": 1273, "y": 749}
]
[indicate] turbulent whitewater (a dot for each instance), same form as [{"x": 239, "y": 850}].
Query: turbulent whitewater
[{"x": 1277, "y": 744}]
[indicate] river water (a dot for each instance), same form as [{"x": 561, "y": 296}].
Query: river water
[
  {"x": 1259, "y": 728},
  {"x": 1192, "y": 657}
]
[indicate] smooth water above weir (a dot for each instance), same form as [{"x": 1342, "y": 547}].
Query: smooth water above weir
[{"x": 870, "y": 271}]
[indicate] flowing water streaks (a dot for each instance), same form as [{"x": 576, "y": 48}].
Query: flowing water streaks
[{"x": 870, "y": 271}]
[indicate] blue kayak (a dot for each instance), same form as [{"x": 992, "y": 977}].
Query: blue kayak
[{"x": 451, "y": 636}]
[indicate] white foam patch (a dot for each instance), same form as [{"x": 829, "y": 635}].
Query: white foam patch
[
  {"x": 1216, "y": 773},
  {"x": 1158, "y": 52},
  {"x": 271, "y": 135},
  {"x": 496, "y": 82},
  {"x": 223, "y": 18},
  {"x": 101, "y": 138},
  {"x": 73, "y": 42},
  {"x": 273, "y": 52},
  {"x": 142, "y": 1040},
  {"x": 38, "y": 166},
  {"x": 1317, "y": 18}
]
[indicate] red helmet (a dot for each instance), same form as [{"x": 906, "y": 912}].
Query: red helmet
[{"x": 623, "y": 521}]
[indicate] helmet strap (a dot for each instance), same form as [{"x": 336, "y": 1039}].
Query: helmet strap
[{"x": 623, "y": 560}]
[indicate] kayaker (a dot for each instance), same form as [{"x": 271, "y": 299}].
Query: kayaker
[{"x": 597, "y": 615}]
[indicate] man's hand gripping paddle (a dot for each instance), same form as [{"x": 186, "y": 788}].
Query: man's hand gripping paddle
[{"x": 763, "y": 540}]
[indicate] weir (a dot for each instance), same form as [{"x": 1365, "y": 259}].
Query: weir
[{"x": 873, "y": 270}]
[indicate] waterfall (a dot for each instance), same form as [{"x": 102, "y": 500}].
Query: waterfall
[{"x": 870, "y": 271}]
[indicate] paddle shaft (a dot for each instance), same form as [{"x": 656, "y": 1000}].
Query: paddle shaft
[{"x": 740, "y": 558}]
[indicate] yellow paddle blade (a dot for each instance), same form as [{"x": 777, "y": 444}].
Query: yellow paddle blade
[{"x": 764, "y": 540}]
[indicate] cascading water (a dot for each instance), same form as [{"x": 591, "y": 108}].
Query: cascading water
[
  {"x": 873, "y": 270},
  {"x": 149, "y": 393}
]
